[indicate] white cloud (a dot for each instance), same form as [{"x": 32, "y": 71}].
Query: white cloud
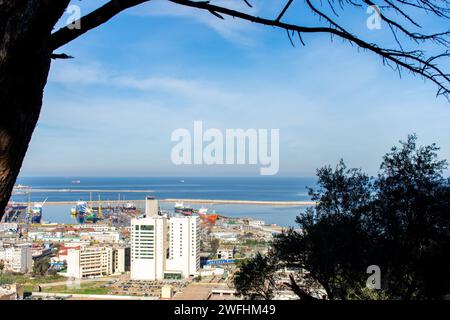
[
  {"x": 234, "y": 30},
  {"x": 68, "y": 73}
]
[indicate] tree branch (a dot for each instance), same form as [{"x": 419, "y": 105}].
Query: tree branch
[
  {"x": 302, "y": 294},
  {"x": 284, "y": 10},
  {"x": 412, "y": 61},
  {"x": 60, "y": 56}
]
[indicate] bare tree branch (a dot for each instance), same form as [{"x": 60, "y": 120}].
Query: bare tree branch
[
  {"x": 284, "y": 10},
  {"x": 302, "y": 294},
  {"x": 412, "y": 61}
]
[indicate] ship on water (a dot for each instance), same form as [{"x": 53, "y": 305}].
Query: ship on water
[
  {"x": 81, "y": 211},
  {"x": 84, "y": 213},
  {"x": 36, "y": 212},
  {"x": 181, "y": 208},
  {"x": 17, "y": 212},
  {"x": 202, "y": 213}
]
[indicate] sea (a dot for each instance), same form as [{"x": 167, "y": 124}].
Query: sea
[{"x": 213, "y": 188}]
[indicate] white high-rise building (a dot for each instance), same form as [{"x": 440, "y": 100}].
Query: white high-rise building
[
  {"x": 184, "y": 246},
  {"x": 148, "y": 248},
  {"x": 164, "y": 248}
]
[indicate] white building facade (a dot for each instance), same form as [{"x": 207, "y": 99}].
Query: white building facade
[
  {"x": 17, "y": 258},
  {"x": 148, "y": 248},
  {"x": 184, "y": 247},
  {"x": 85, "y": 262}
]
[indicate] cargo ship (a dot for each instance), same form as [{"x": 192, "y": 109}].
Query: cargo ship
[
  {"x": 84, "y": 213},
  {"x": 202, "y": 213},
  {"x": 15, "y": 206},
  {"x": 81, "y": 211},
  {"x": 15, "y": 212},
  {"x": 184, "y": 210},
  {"x": 36, "y": 212},
  {"x": 207, "y": 218}
]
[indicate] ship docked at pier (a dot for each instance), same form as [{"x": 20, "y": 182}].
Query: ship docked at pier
[{"x": 179, "y": 207}]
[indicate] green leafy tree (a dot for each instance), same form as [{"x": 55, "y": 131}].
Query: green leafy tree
[
  {"x": 2, "y": 266},
  {"x": 41, "y": 266}
]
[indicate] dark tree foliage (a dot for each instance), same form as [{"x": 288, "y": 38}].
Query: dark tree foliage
[
  {"x": 333, "y": 242},
  {"x": 410, "y": 221},
  {"x": 399, "y": 221},
  {"x": 257, "y": 278}
]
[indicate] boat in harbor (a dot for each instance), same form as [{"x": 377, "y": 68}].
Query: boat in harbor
[
  {"x": 15, "y": 206},
  {"x": 80, "y": 211},
  {"x": 184, "y": 210},
  {"x": 202, "y": 213},
  {"x": 129, "y": 206},
  {"x": 36, "y": 212},
  {"x": 84, "y": 213},
  {"x": 209, "y": 218},
  {"x": 15, "y": 212}
]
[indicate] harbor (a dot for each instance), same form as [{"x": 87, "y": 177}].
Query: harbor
[
  {"x": 277, "y": 201},
  {"x": 197, "y": 201}
]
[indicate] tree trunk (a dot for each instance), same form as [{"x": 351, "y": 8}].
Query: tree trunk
[{"x": 25, "y": 27}]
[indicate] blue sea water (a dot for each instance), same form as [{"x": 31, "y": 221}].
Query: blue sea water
[{"x": 223, "y": 188}]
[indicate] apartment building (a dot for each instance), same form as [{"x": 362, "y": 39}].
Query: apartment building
[
  {"x": 86, "y": 261},
  {"x": 17, "y": 258}
]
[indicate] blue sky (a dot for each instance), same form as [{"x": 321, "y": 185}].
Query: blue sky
[{"x": 158, "y": 67}]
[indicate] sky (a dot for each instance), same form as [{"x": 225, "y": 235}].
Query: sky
[{"x": 159, "y": 67}]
